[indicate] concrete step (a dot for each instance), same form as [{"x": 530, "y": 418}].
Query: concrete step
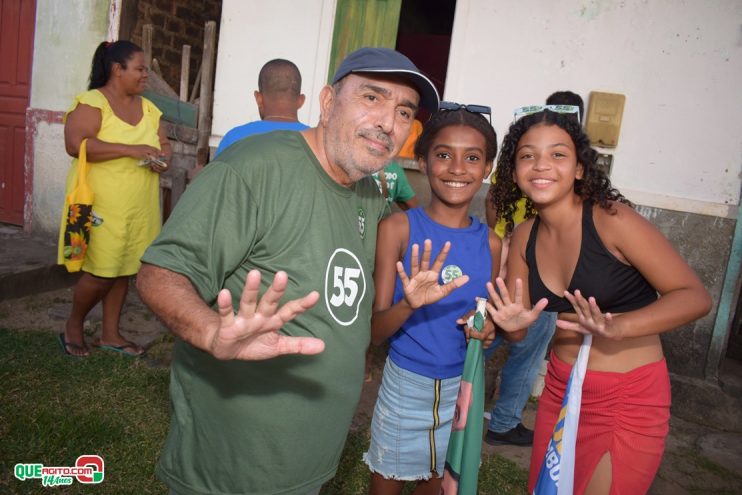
[{"x": 28, "y": 264}]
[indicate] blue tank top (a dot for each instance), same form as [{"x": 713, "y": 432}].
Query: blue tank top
[
  {"x": 616, "y": 286},
  {"x": 430, "y": 343}
]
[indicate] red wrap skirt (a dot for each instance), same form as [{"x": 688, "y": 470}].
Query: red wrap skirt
[{"x": 626, "y": 414}]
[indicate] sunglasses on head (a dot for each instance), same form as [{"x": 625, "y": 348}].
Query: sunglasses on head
[
  {"x": 521, "y": 112},
  {"x": 480, "y": 109}
]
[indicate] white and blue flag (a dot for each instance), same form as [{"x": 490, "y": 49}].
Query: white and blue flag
[{"x": 557, "y": 473}]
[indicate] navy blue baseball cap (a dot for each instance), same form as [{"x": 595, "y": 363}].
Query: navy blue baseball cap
[{"x": 388, "y": 61}]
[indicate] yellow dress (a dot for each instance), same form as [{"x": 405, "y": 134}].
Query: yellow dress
[{"x": 126, "y": 208}]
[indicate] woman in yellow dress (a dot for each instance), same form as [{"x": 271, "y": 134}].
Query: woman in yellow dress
[{"x": 127, "y": 149}]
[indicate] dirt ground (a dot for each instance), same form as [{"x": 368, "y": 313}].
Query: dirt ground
[{"x": 698, "y": 459}]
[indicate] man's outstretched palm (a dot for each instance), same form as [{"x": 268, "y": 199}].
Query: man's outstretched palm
[{"x": 253, "y": 332}]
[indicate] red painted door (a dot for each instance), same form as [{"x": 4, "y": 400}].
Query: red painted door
[{"x": 17, "y": 20}]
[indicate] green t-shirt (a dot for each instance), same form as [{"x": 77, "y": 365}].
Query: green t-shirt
[
  {"x": 276, "y": 426},
  {"x": 398, "y": 187}
]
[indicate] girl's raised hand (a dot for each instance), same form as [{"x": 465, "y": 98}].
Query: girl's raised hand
[
  {"x": 509, "y": 315},
  {"x": 487, "y": 335},
  {"x": 590, "y": 320},
  {"x": 422, "y": 286}
]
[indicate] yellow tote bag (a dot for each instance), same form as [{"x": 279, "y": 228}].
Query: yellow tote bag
[{"x": 79, "y": 216}]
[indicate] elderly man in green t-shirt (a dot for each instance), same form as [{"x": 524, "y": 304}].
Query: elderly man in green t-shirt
[{"x": 262, "y": 393}]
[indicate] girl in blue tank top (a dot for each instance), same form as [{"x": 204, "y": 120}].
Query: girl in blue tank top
[{"x": 420, "y": 302}]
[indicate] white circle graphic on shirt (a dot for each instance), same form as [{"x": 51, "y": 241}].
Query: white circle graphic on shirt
[
  {"x": 345, "y": 286},
  {"x": 450, "y": 272}
]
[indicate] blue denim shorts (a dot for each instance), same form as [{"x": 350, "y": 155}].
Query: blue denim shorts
[{"x": 411, "y": 424}]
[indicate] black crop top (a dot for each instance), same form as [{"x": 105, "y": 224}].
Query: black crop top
[{"x": 616, "y": 286}]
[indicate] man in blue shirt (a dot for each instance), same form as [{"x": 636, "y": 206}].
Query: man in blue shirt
[{"x": 279, "y": 99}]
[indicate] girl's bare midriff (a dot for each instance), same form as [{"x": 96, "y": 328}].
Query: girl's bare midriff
[{"x": 618, "y": 356}]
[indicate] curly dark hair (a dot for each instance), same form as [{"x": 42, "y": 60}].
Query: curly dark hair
[
  {"x": 594, "y": 185},
  {"x": 445, "y": 118}
]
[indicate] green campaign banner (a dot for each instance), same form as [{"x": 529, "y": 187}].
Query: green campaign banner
[{"x": 465, "y": 445}]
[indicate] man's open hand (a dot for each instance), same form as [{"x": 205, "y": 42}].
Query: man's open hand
[{"x": 253, "y": 332}]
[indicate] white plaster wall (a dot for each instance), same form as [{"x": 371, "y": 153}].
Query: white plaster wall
[
  {"x": 253, "y": 32},
  {"x": 67, "y": 33},
  {"x": 52, "y": 164},
  {"x": 679, "y": 63}
]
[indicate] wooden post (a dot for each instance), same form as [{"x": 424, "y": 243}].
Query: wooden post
[
  {"x": 155, "y": 67},
  {"x": 129, "y": 11},
  {"x": 207, "y": 77},
  {"x": 196, "y": 85},
  {"x": 185, "y": 70},
  {"x": 147, "y": 43}
]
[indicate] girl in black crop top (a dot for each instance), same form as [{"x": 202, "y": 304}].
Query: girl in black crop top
[
  {"x": 588, "y": 252},
  {"x": 587, "y": 255}
]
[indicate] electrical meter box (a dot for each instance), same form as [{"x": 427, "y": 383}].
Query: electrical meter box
[{"x": 603, "y": 123}]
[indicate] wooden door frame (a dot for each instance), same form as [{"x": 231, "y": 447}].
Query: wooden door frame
[{"x": 361, "y": 23}]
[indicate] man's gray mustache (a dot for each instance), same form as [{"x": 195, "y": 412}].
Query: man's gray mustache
[{"x": 377, "y": 136}]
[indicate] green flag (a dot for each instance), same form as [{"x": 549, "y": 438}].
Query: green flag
[{"x": 465, "y": 446}]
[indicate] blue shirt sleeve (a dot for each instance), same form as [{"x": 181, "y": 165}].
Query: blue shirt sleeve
[{"x": 225, "y": 142}]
